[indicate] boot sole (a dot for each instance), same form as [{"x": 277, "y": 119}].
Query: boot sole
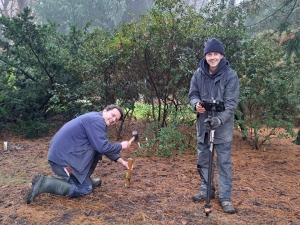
[{"x": 36, "y": 183}]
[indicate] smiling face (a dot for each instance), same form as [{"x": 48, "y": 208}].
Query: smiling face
[
  {"x": 213, "y": 59},
  {"x": 111, "y": 117}
]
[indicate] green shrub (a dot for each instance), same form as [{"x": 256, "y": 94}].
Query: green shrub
[
  {"x": 170, "y": 140},
  {"x": 31, "y": 129}
]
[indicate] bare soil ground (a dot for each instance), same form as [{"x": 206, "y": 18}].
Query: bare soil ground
[{"x": 265, "y": 188}]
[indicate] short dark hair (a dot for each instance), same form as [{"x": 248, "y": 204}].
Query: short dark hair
[{"x": 111, "y": 107}]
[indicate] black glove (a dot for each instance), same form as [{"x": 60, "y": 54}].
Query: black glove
[{"x": 213, "y": 122}]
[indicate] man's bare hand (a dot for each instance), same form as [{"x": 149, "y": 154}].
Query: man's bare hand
[
  {"x": 124, "y": 163},
  {"x": 199, "y": 108},
  {"x": 125, "y": 144}
]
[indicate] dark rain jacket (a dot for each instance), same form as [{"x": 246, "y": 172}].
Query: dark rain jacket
[
  {"x": 222, "y": 85},
  {"x": 77, "y": 142}
]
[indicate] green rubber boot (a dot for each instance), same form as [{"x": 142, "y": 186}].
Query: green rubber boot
[
  {"x": 43, "y": 184},
  {"x": 96, "y": 182}
]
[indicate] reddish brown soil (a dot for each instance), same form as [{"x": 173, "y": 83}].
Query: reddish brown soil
[{"x": 265, "y": 188}]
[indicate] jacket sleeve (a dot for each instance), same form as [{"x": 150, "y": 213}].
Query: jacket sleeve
[
  {"x": 194, "y": 94},
  {"x": 230, "y": 98},
  {"x": 112, "y": 156}
]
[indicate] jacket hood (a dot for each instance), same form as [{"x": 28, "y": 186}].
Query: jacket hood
[{"x": 204, "y": 66}]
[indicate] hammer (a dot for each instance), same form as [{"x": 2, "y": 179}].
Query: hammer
[{"x": 135, "y": 136}]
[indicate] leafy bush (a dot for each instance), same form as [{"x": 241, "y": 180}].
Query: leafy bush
[
  {"x": 268, "y": 94},
  {"x": 44, "y": 72},
  {"x": 178, "y": 136},
  {"x": 31, "y": 129},
  {"x": 169, "y": 140}
]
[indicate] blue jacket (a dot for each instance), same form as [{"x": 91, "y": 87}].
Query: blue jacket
[
  {"x": 77, "y": 142},
  {"x": 222, "y": 85}
]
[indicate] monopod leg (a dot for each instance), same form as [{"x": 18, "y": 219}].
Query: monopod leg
[{"x": 207, "y": 207}]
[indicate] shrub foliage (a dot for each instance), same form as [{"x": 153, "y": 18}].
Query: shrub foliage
[{"x": 150, "y": 61}]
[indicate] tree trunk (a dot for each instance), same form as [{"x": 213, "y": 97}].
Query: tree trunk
[
  {"x": 22, "y": 4},
  {"x": 297, "y": 141}
]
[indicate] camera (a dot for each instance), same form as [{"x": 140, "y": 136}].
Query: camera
[{"x": 213, "y": 105}]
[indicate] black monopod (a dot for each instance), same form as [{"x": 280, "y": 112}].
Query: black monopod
[{"x": 211, "y": 106}]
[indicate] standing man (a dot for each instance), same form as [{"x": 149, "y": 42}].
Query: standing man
[
  {"x": 215, "y": 79},
  {"x": 74, "y": 153}
]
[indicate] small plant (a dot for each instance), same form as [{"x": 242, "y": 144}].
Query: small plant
[
  {"x": 142, "y": 111},
  {"x": 168, "y": 141}
]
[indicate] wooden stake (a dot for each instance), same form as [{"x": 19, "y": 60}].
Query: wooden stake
[{"x": 128, "y": 172}]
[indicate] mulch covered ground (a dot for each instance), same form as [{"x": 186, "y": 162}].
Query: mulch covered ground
[{"x": 266, "y": 188}]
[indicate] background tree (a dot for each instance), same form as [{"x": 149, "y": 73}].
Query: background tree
[
  {"x": 33, "y": 65},
  {"x": 134, "y": 9},
  {"x": 104, "y": 82},
  {"x": 103, "y": 14},
  {"x": 282, "y": 18},
  {"x": 11, "y": 8},
  {"x": 151, "y": 59},
  {"x": 268, "y": 93},
  {"x": 167, "y": 44}
]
